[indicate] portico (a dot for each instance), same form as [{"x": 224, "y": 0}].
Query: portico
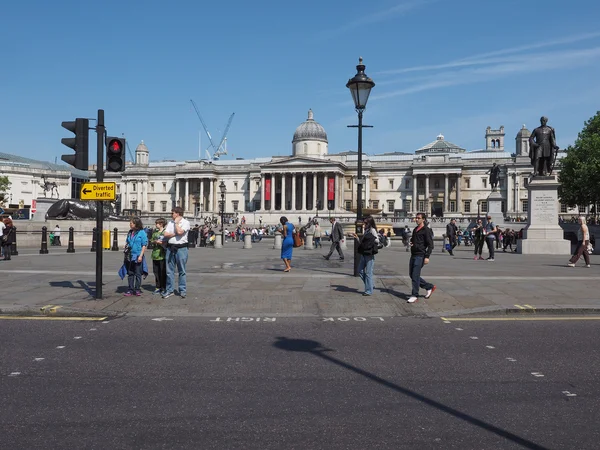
[{"x": 436, "y": 191}]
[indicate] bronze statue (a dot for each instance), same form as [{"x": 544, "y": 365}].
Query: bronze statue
[
  {"x": 542, "y": 149},
  {"x": 494, "y": 173},
  {"x": 77, "y": 209}
]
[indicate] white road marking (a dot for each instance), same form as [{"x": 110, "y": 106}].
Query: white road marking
[
  {"x": 38, "y": 359},
  {"x": 14, "y": 374},
  {"x": 458, "y": 329},
  {"x": 77, "y": 337},
  {"x": 93, "y": 329},
  {"x": 474, "y": 337},
  {"x": 511, "y": 359},
  {"x": 447, "y": 321},
  {"x": 61, "y": 346},
  {"x": 161, "y": 319},
  {"x": 568, "y": 394},
  {"x": 490, "y": 346},
  {"x": 537, "y": 374},
  {"x": 106, "y": 321}
]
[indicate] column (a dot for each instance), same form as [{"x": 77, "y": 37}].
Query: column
[
  {"x": 262, "y": 191},
  {"x": 177, "y": 192},
  {"x": 145, "y": 187},
  {"x": 508, "y": 192},
  {"x": 304, "y": 192},
  {"x": 368, "y": 191},
  {"x": 517, "y": 195},
  {"x": 293, "y": 192},
  {"x": 283, "y": 202},
  {"x": 339, "y": 196},
  {"x": 446, "y": 199},
  {"x": 427, "y": 207},
  {"x": 415, "y": 199},
  {"x": 186, "y": 203},
  {"x": 201, "y": 199},
  {"x": 459, "y": 208},
  {"x": 211, "y": 195},
  {"x": 272, "y": 192},
  {"x": 315, "y": 193}
]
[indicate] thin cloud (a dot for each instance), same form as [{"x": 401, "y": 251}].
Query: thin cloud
[{"x": 380, "y": 16}]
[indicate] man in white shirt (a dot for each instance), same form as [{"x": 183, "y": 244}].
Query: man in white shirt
[
  {"x": 176, "y": 234},
  {"x": 57, "y": 235}
]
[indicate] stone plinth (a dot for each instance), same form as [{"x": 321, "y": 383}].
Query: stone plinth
[
  {"x": 308, "y": 242},
  {"x": 43, "y": 204},
  {"x": 277, "y": 243},
  {"x": 543, "y": 235},
  {"x": 247, "y": 241},
  {"x": 494, "y": 205},
  {"x": 218, "y": 241}
]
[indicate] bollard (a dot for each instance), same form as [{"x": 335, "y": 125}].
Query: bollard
[
  {"x": 115, "y": 246},
  {"x": 71, "y": 247},
  {"x": 13, "y": 247},
  {"x": 218, "y": 241},
  {"x": 192, "y": 238},
  {"x": 308, "y": 243},
  {"x": 248, "y": 241},
  {"x": 93, "y": 249},
  {"x": 277, "y": 245},
  {"x": 44, "y": 248}
]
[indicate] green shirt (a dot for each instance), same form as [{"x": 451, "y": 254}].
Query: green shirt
[{"x": 158, "y": 252}]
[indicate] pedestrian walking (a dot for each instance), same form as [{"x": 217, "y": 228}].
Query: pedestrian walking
[
  {"x": 135, "y": 246},
  {"x": 159, "y": 266},
  {"x": 176, "y": 256},
  {"x": 337, "y": 234},
  {"x": 8, "y": 237},
  {"x": 57, "y": 236},
  {"x": 367, "y": 248},
  {"x": 490, "y": 236},
  {"x": 406, "y": 234},
  {"x": 583, "y": 242},
  {"x": 287, "y": 245},
  {"x": 478, "y": 239},
  {"x": 421, "y": 246},
  {"x": 2, "y": 226},
  {"x": 317, "y": 236},
  {"x": 451, "y": 231}
]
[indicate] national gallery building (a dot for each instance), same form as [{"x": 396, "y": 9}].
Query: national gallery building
[{"x": 440, "y": 178}]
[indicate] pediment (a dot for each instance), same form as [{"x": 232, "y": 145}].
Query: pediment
[{"x": 300, "y": 161}]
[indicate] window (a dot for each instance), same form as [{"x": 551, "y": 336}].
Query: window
[
  {"x": 375, "y": 184},
  {"x": 235, "y": 188},
  {"x": 484, "y": 206},
  {"x": 151, "y": 206},
  {"x": 452, "y": 206},
  {"x": 164, "y": 187},
  {"x": 563, "y": 208},
  {"x": 375, "y": 204},
  {"x": 436, "y": 184},
  {"x": 581, "y": 209},
  {"x": 391, "y": 205},
  {"x": 235, "y": 205},
  {"x": 348, "y": 205},
  {"x": 407, "y": 204},
  {"x": 421, "y": 184},
  {"x": 163, "y": 206},
  {"x": 133, "y": 204},
  {"x": 422, "y": 205},
  {"x": 452, "y": 185},
  {"x": 391, "y": 184},
  {"x": 349, "y": 182},
  {"x": 151, "y": 187},
  {"x": 467, "y": 206},
  {"x": 133, "y": 188},
  {"x": 468, "y": 183},
  {"x": 484, "y": 182},
  {"x": 525, "y": 206},
  {"x": 407, "y": 184}
]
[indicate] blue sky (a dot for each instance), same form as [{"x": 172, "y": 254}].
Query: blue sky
[{"x": 451, "y": 67}]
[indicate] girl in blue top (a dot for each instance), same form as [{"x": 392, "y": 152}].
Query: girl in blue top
[{"x": 136, "y": 243}]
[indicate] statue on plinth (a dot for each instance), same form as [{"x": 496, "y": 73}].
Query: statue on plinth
[
  {"x": 543, "y": 149},
  {"x": 494, "y": 173}
]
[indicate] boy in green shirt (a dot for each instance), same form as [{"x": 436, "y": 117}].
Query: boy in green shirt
[{"x": 159, "y": 266}]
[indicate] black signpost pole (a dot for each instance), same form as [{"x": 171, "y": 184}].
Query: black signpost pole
[{"x": 99, "y": 208}]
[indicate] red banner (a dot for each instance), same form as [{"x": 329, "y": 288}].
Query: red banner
[
  {"x": 267, "y": 189},
  {"x": 331, "y": 189}
]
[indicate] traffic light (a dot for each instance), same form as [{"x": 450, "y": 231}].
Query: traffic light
[
  {"x": 79, "y": 143},
  {"x": 115, "y": 154}
]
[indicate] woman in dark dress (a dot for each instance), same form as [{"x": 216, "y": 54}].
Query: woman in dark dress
[{"x": 287, "y": 246}]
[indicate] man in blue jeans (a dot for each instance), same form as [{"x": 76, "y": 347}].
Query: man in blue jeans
[
  {"x": 421, "y": 246},
  {"x": 176, "y": 234}
]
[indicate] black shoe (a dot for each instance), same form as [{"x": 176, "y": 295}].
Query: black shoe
[
  {"x": 341, "y": 259},
  {"x": 326, "y": 257}
]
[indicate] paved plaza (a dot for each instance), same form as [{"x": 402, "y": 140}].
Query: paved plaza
[{"x": 237, "y": 282}]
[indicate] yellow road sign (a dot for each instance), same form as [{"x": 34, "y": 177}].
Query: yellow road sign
[{"x": 98, "y": 191}]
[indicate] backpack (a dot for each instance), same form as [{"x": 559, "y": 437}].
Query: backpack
[{"x": 383, "y": 241}]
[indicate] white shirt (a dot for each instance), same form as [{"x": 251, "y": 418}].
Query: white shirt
[
  {"x": 180, "y": 238},
  {"x": 57, "y": 231}
]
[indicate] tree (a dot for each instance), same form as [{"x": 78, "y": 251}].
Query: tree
[
  {"x": 580, "y": 168},
  {"x": 4, "y": 185}
]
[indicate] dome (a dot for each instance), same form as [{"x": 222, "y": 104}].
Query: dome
[
  {"x": 141, "y": 147},
  {"x": 523, "y": 132},
  {"x": 310, "y": 130}
]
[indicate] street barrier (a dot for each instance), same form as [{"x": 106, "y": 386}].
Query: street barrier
[
  {"x": 71, "y": 247},
  {"x": 44, "y": 247},
  {"x": 94, "y": 234},
  {"x": 115, "y": 245},
  {"x": 13, "y": 247},
  {"x": 106, "y": 239}
]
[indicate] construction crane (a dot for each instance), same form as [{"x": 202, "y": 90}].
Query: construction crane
[{"x": 220, "y": 149}]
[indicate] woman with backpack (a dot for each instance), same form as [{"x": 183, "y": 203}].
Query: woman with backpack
[{"x": 368, "y": 246}]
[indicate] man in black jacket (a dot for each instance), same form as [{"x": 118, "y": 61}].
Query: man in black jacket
[
  {"x": 451, "y": 230},
  {"x": 421, "y": 246}
]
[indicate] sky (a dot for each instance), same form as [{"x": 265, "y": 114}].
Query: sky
[{"x": 439, "y": 66}]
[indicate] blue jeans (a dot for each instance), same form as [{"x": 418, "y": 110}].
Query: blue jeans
[
  {"x": 365, "y": 271},
  {"x": 176, "y": 257},
  {"x": 134, "y": 276},
  {"x": 414, "y": 270}
]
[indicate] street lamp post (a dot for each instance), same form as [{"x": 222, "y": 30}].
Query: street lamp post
[
  {"x": 223, "y": 189},
  {"x": 360, "y": 87}
]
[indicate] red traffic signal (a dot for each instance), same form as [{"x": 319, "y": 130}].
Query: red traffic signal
[{"x": 115, "y": 154}]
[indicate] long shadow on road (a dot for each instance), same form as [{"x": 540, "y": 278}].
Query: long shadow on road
[{"x": 317, "y": 349}]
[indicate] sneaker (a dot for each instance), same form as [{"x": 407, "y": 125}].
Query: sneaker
[
  {"x": 366, "y": 294},
  {"x": 491, "y": 259},
  {"x": 128, "y": 294},
  {"x": 157, "y": 291},
  {"x": 481, "y": 258},
  {"x": 138, "y": 293},
  {"x": 326, "y": 257},
  {"x": 167, "y": 295},
  {"x": 430, "y": 291},
  {"x": 475, "y": 258},
  {"x": 571, "y": 265},
  {"x": 588, "y": 266},
  {"x": 412, "y": 299},
  {"x": 341, "y": 259},
  {"x": 183, "y": 295}
]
